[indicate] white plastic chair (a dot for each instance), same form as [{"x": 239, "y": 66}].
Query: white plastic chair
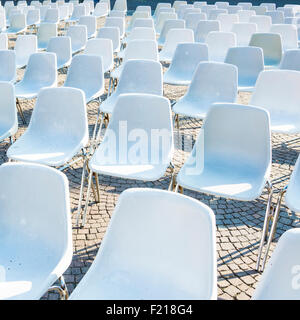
[
  {"x": 207, "y": 8},
  {"x": 63, "y": 12},
  {"x": 78, "y": 11},
  {"x": 159, "y": 6},
  {"x": 292, "y": 189},
  {"x": 177, "y": 4},
  {"x": 138, "y": 76},
  {"x": 141, "y": 112},
  {"x": 169, "y": 24},
  {"x": 116, "y": 22},
  {"x": 8, "y": 65},
  {"x": 245, "y": 5},
  {"x": 102, "y": 48},
  {"x": 271, "y": 45},
  {"x": 101, "y": 10},
  {"x": 276, "y": 16},
  {"x": 117, "y": 13},
  {"x": 250, "y": 62},
  {"x": 3, "y": 41},
  {"x": 288, "y": 33},
  {"x": 263, "y": 23},
  {"x": 8, "y": 111},
  {"x": 245, "y": 15},
  {"x": 79, "y": 37},
  {"x": 259, "y": 10},
  {"x": 33, "y": 17},
  {"x": 291, "y": 60},
  {"x": 192, "y": 20},
  {"x": 199, "y": 4},
  {"x": 58, "y": 129},
  {"x": 269, "y": 6},
  {"x": 203, "y": 29},
  {"x": 186, "y": 58},
  {"x": 173, "y": 37},
  {"x": 280, "y": 280},
  {"x": 234, "y": 9},
  {"x": 162, "y": 10},
  {"x": 2, "y": 22},
  {"x": 61, "y": 46},
  {"x": 227, "y": 21},
  {"x": 24, "y": 47},
  {"x": 231, "y": 157},
  {"x": 243, "y": 32},
  {"x": 222, "y": 4},
  {"x": 218, "y": 44},
  {"x": 213, "y": 14},
  {"x": 161, "y": 20},
  {"x": 276, "y": 91},
  {"x": 51, "y": 16},
  {"x": 107, "y": 2},
  {"x": 112, "y": 33},
  {"x": 137, "y": 15},
  {"x": 144, "y": 8},
  {"x": 86, "y": 73},
  {"x": 17, "y": 24},
  {"x": 120, "y": 5},
  {"x": 212, "y": 82},
  {"x": 138, "y": 33},
  {"x": 45, "y": 32},
  {"x": 91, "y": 23},
  {"x": 183, "y": 8},
  {"x": 35, "y": 202},
  {"x": 191, "y": 10},
  {"x": 43, "y": 9},
  {"x": 162, "y": 281},
  {"x": 146, "y": 23}
]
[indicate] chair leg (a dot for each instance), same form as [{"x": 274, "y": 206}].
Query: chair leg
[
  {"x": 21, "y": 111},
  {"x": 81, "y": 192},
  {"x": 97, "y": 186},
  {"x": 273, "y": 228},
  {"x": 268, "y": 215},
  {"x": 110, "y": 86},
  {"x": 172, "y": 180},
  {"x": 61, "y": 289},
  {"x": 87, "y": 197}
]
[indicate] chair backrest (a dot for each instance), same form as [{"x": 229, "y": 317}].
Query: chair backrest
[
  {"x": 33, "y": 17},
  {"x": 144, "y": 8},
  {"x": 234, "y": 8},
  {"x": 191, "y": 10},
  {"x": 45, "y": 32},
  {"x": 218, "y": 44},
  {"x": 245, "y": 5},
  {"x": 43, "y": 9},
  {"x": 116, "y": 22},
  {"x": 18, "y": 21},
  {"x": 245, "y": 15},
  {"x": 259, "y": 10},
  {"x": 78, "y": 35},
  {"x": 292, "y": 192},
  {"x": 289, "y": 35},
  {"x": 243, "y": 32},
  {"x": 163, "y": 10},
  {"x": 276, "y": 91},
  {"x": 213, "y": 14},
  {"x": 64, "y": 12},
  {"x": 24, "y": 47},
  {"x": 85, "y": 73},
  {"x": 290, "y": 60},
  {"x": 207, "y": 8},
  {"x": 101, "y": 9},
  {"x": 41, "y": 69},
  {"x": 159, "y": 6},
  {"x": 3, "y": 41},
  {"x": 280, "y": 280},
  {"x": 52, "y": 15},
  {"x": 112, "y": 33},
  {"x": 222, "y": 4},
  {"x": 8, "y": 110},
  {"x": 177, "y": 3},
  {"x": 78, "y": 11},
  {"x": 276, "y": 16},
  {"x": 137, "y": 15},
  {"x": 182, "y": 9},
  {"x": 26, "y": 190},
  {"x": 91, "y": 23},
  {"x": 141, "y": 33},
  {"x": 192, "y": 19},
  {"x": 263, "y": 22},
  {"x": 61, "y": 46},
  {"x": 117, "y": 13},
  {"x": 141, "y": 49},
  {"x": 102, "y": 48},
  {"x": 271, "y": 45},
  {"x": 162, "y": 18},
  {"x": 141, "y": 76},
  {"x": 249, "y": 61},
  {"x": 227, "y": 21},
  {"x": 7, "y": 65},
  {"x": 120, "y": 5},
  {"x": 204, "y": 27},
  {"x": 170, "y": 24},
  {"x": 147, "y": 23}
]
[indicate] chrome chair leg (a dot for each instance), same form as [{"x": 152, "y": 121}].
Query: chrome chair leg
[
  {"x": 81, "y": 192},
  {"x": 87, "y": 197},
  {"x": 21, "y": 111},
  {"x": 61, "y": 289},
  {"x": 172, "y": 180}
]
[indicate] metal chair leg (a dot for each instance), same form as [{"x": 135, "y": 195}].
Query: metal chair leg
[
  {"x": 87, "y": 197},
  {"x": 172, "y": 180},
  {"x": 81, "y": 191},
  {"x": 21, "y": 111},
  {"x": 61, "y": 289}
]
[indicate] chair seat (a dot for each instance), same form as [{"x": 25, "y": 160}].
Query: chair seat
[
  {"x": 26, "y": 91},
  {"x": 6, "y": 131},
  {"x": 107, "y": 106},
  {"x": 177, "y": 79},
  {"x": 77, "y": 48},
  {"x": 14, "y": 30},
  {"x": 47, "y": 150},
  {"x": 116, "y": 73},
  {"x": 62, "y": 63},
  {"x": 91, "y": 95},
  {"x": 165, "y": 56},
  {"x": 224, "y": 181},
  {"x": 285, "y": 123},
  {"x": 192, "y": 108}
]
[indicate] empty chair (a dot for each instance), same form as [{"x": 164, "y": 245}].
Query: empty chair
[
  {"x": 138, "y": 76},
  {"x": 197, "y": 253},
  {"x": 213, "y": 14},
  {"x": 117, "y": 13},
  {"x": 192, "y": 20},
  {"x": 101, "y": 10},
  {"x": 63, "y": 12},
  {"x": 227, "y": 21},
  {"x": 245, "y": 5},
  {"x": 8, "y": 65},
  {"x": 177, "y": 4},
  {"x": 245, "y": 15},
  {"x": 184, "y": 63},
  {"x": 2, "y": 22},
  {"x": 280, "y": 280},
  {"x": 191, "y": 10},
  {"x": 218, "y": 44},
  {"x": 116, "y": 22},
  {"x": 61, "y": 46},
  {"x": 174, "y": 36},
  {"x": 120, "y": 5},
  {"x": 183, "y": 8},
  {"x": 212, "y": 82},
  {"x": 250, "y": 62},
  {"x": 137, "y": 15},
  {"x": 144, "y": 8},
  {"x": 276, "y": 16},
  {"x": 271, "y": 45},
  {"x": 207, "y": 8},
  {"x": 8, "y": 111},
  {"x": 161, "y": 20},
  {"x": 86, "y": 73},
  {"x": 139, "y": 33},
  {"x": 231, "y": 157},
  {"x": 222, "y": 4},
  {"x": 199, "y": 4},
  {"x": 17, "y": 24},
  {"x": 45, "y": 32},
  {"x": 234, "y": 8},
  {"x": 33, "y": 17},
  {"x": 51, "y": 16},
  {"x": 204, "y": 28},
  {"x": 169, "y": 24},
  {"x": 24, "y": 47},
  {"x": 263, "y": 22},
  {"x": 292, "y": 189},
  {"x": 78, "y": 11},
  {"x": 276, "y": 91},
  {"x": 102, "y": 48},
  {"x": 78, "y": 35},
  {"x": 288, "y": 33},
  {"x": 291, "y": 60},
  {"x": 112, "y": 33},
  {"x": 91, "y": 23},
  {"x": 269, "y": 6},
  {"x": 146, "y": 23},
  {"x": 259, "y": 10},
  {"x": 243, "y": 32},
  {"x": 3, "y": 41},
  {"x": 148, "y": 113},
  {"x": 43, "y": 11},
  {"x": 33, "y": 257},
  {"x": 159, "y": 6},
  {"x": 58, "y": 129}
]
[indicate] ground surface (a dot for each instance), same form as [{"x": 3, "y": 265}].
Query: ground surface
[{"x": 239, "y": 224}]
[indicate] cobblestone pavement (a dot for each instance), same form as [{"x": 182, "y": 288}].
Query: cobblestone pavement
[{"x": 239, "y": 224}]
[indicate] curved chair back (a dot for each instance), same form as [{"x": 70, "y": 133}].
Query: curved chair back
[
  {"x": 24, "y": 47},
  {"x": 112, "y": 33},
  {"x": 243, "y": 32},
  {"x": 8, "y": 65},
  {"x": 204, "y": 27},
  {"x": 61, "y": 46},
  {"x": 263, "y": 23},
  {"x": 218, "y": 44}
]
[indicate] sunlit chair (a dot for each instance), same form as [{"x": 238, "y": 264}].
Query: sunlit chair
[
  {"x": 200, "y": 4},
  {"x": 161, "y": 20},
  {"x": 160, "y": 5},
  {"x": 213, "y": 14},
  {"x": 116, "y": 22},
  {"x": 245, "y": 5},
  {"x": 120, "y": 5},
  {"x": 146, "y": 23},
  {"x": 86, "y": 73},
  {"x": 63, "y": 12},
  {"x": 17, "y": 24},
  {"x": 288, "y": 33},
  {"x": 43, "y": 9},
  {"x": 192, "y": 20},
  {"x": 245, "y": 15},
  {"x": 3, "y": 41},
  {"x": 218, "y": 44},
  {"x": 137, "y": 15},
  {"x": 276, "y": 16},
  {"x": 190, "y": 10},
  {"x": 169, "y": 24},
  {"x": 203, "y": 29},
  {"x": 186, "y": 58},
  {"x": 250, "y": 62},
  {"x": 79, "y": 37},
  {"x": 8, "y": 65},
  {"x": 51, "y": 16},
  {"x": 178, "y": 3},
  {"x": 212, "y": 82},
  {"x": 91, "y": 23},
  {"x": 269, "y": 6},
  {"x": 33, "y": 18},
  {"x": 144, "y": 8},
  {"x": 45, "y": 32},
  {"x": 117, "y": 13},
  {"x": 234, "y": 9},
  {"x": 112, "y": 33},
  {"x": 138, "y": 33},
  {"x": 227, "y": 21},
  {"x": 36, "y": 231},
  {"x": 78, "y": 11},
  {"x": 184, "y": 8},
  {"x": 263, "y": 23},
  {"x": 101, "y": 10},
  {"x": 259, "y": 10},
  {"x": 61, "y": 46},
  {"x": 243, "y": 32},
  {"x": 24, "y": 47},
  {"x": 222, "y": 4},
  {"x": 141, "y": 112},
  {"x": 290, "y": 60}
]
